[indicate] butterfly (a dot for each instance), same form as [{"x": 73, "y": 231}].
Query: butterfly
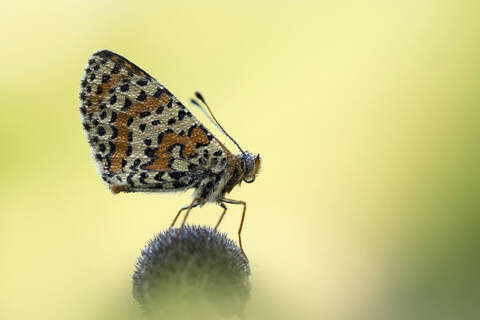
[{"x": 143, "y": 139}]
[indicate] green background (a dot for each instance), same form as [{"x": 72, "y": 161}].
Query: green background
[{"x": 366, "y": 115}]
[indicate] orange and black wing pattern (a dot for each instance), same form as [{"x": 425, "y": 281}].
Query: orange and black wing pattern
[{"x": 141, "y": 136}]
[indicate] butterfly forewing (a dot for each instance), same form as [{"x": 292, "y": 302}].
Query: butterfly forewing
[{"x": 142, "y": 137}]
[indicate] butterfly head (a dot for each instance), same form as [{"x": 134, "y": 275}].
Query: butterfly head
[
  {"x": 251, "y": 166},
  {"x": 249, "y": 163}
]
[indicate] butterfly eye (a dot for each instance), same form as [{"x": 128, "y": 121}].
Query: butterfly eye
[{"x": 249, "y": 180}]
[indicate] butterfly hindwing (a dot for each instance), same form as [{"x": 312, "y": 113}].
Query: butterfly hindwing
[{"x": 142, "y": 137}]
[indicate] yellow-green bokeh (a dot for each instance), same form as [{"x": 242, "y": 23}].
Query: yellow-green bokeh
[{"x": 366, "y": 115}]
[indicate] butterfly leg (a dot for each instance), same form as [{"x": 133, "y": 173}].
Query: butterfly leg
[
  {"x": 244, "y": 204},
  {"x": 223, "y": 214},
  {"x": 194, "y": 203},
  {"x": 180, "y": 211}
]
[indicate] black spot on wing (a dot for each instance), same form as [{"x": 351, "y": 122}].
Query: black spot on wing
[
  {"x": 129, "y": 179},
  {"x": 181, "y": 115},
  {"x": 116, "y": 69},
  {"x": 124, "y": 87},
  {"x": 142, "y": 96},
  {"x": 177, "y": 174},
  {"x": 158, "y": 93},
  {"x": 114, "y": 132},
  {"x": 135, "y": 165},
  {"x": 142, "y": 82},
  {"x": 114, "y": 117},
  {"x": 127, "y": 104},
  {"x": 143, "y": 176},
  {"x": 144, "y": 114},
  {"x": 150, "y": 152}
]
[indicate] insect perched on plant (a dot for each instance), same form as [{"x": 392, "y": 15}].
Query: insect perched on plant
[{"x": 144, "y": 139}]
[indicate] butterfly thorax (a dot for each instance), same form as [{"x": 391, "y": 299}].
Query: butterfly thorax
[
  {"x": 244, "y": 166},
  {"x": 212, "y": 188}
]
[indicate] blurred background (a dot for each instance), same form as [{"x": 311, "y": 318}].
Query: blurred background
[{"x": 365, "y": 114}]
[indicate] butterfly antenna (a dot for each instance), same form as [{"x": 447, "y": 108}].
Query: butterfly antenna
[
  {"x": 212, "y": 118},
  {"x": 201, "y": 107}
]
